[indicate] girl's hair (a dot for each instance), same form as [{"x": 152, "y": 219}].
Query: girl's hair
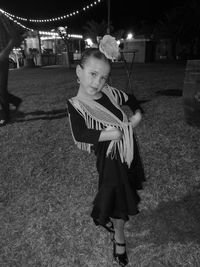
[{"x": 92, "y": 52}]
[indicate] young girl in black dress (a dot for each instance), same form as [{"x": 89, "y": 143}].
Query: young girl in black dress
[{"x": 98, "y": 123}]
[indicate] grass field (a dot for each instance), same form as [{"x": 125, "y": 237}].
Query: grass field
[{"x": 47, "y": 185}]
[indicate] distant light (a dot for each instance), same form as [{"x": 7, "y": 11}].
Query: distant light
[
  {"x": 118, "y": 42},
  {"x": 88, "y": 42},
  {"x": 78, "y": 36},
  {"x": 129, "y": 36}
]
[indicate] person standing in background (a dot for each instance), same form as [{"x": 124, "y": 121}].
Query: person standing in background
[{"x": 10, "y": 36}]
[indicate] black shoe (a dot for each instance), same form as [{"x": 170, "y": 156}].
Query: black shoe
[{"x": 121, "y": 259}]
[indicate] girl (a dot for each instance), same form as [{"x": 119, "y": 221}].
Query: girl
[{"x": 99, "y": 124}]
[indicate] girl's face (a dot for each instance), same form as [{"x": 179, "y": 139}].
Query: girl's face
[{"x": 93, "y": 76}]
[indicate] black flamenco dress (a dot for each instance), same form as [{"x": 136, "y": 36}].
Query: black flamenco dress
[{"x": 117, "y": 195}]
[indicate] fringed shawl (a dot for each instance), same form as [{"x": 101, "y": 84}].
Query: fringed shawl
[{"x": 98, "y": 117}]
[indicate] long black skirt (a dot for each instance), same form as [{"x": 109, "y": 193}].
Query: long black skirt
[{"x": 117, "y": 195}]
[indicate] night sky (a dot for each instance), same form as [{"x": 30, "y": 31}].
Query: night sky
[{"x": 123, "y": 15}]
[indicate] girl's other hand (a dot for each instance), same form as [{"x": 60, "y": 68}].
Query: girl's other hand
[{"x": 135, "y": 119}]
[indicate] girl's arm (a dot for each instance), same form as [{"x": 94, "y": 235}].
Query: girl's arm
[
  {"x": 128, "y": 100},
  {"x": 83, "y": 134},
  {"x": 137, "y": 110},
  {"x": 110, "y": 134},
  {"x": 133, "y": 104}
]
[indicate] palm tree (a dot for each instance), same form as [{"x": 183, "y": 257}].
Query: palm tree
[
  {"x": 181, "y": 24},
  {"x": 170, "y": 26},
  {"x": 190, "y": 34},
  {"x": 93, "y": 29}
]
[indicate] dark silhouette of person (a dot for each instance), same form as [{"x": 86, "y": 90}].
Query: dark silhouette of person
[{"x": 10, "y": 36}]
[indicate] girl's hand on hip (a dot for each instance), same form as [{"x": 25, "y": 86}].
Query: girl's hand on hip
[{"x": 135, "y": 119}]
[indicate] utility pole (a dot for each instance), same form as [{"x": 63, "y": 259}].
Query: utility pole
[
  {"x": 108, "y": 28},
  {"x": 64, "y": 34},
  {"x": 39, "y": 56}
]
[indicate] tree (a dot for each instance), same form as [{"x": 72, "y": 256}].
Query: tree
[
  {"x": 92, "y": 29},
  {"x": 170, "y": 26},
  {"x": 190, "y": 34},
  {"x": 181, "y": 24}
]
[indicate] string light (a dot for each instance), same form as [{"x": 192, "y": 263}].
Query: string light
[
  {"x": 14, "y": 17},
  {"x": 15, "y": 21},
  {"x": 53, "y": 34},
  {"x": 56, "y": 35}
]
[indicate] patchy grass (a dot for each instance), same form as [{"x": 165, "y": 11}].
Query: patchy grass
[{"x": 47, "y": 184}]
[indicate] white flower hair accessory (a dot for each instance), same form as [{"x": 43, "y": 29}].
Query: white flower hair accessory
[{"x": 109, "y": 47}]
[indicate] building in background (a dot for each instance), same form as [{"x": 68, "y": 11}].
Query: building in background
[
  {"x": 143, "y": 48},
  {"x": 48, "y": 48}
]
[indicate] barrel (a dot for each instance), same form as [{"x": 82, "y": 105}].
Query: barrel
[{"x": 191, "y": 93}]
